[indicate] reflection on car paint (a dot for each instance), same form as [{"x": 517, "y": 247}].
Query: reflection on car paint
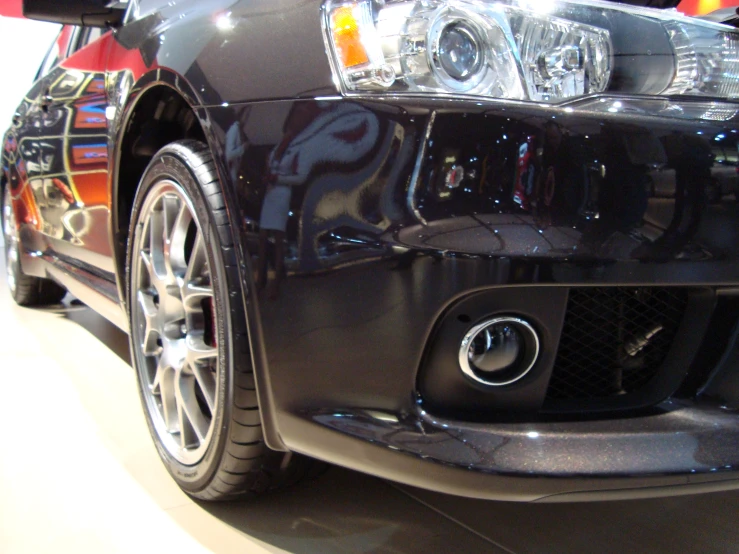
[
  {"x": 545, "y": 191},
  {"x": 68, "y": 149},
  {"x": 86, "y": 154},
  {"x": 90, "y": 116}
]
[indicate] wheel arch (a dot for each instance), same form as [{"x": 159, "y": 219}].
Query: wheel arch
[
  {"x": 124, "y": 179},
  {"x": 137, "y": 107}
]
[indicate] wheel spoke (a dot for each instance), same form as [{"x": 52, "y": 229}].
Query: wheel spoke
[
  {"x": 188, "y": 438},
  {"x": 155, "y": 280},
  {"x": 149, "y": 267},
  {"x": 156, "y": 232},
  {"x": 178, "y": 240},
  {"x": 198, "y": 260},
  {"x": 157, "y": 246},
  {"x": 191, "y": 417},
  {"x": 193, "y": 295},
  {"x": 195, "y": 287},
  {"x": 155, "y": 384},
  {"x": 170, "y": 209},
  {"x": 150, "y": 331},
  {"x": 176, "y": 215},
  {"x": 206, "y": 380},
  {"x": 169, "y": 402},
  {"x": 197, "y": 349}
]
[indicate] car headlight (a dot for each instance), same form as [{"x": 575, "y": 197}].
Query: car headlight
[{"x": 534, "y": 50}]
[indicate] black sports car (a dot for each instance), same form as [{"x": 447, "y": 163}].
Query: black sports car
[{"x": 418, "y": 238}]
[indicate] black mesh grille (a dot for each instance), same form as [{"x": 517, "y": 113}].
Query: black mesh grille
[{"x": 614, "y": 340}]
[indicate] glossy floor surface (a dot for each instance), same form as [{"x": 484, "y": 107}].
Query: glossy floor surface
[{"x": 78, "y": 473}]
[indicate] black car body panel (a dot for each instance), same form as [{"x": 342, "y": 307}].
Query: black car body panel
[{"x": 384, "y": 255}]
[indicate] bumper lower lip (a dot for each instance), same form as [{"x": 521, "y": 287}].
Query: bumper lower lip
[{"x": 685, "y": 449}]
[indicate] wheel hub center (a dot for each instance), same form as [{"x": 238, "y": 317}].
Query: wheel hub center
[{"x": 174, "y": 353}]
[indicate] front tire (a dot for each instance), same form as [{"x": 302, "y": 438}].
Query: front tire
[
  {"x": 188, "y": 334},
  {"x": 26, "y": 290}
]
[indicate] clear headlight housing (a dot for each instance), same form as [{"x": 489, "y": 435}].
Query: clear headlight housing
[{"x": 533, "y": 50}]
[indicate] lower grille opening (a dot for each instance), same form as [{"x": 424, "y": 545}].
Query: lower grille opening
[{"x": 615, "y": 340}]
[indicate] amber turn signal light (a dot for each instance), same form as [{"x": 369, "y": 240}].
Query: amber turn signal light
[{"x": 347, "y": 37}]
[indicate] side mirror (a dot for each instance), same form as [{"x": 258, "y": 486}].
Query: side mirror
[{"x": 88, "y": 13}]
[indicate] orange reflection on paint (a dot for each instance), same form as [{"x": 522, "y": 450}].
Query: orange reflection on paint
[
  {"x": 702, "y": 7},
  {"x": 92, "y": 188},
  {"x": 26, "y": 210}
]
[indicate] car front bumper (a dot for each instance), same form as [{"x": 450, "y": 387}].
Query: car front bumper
[{"x": 382, "y": 242}]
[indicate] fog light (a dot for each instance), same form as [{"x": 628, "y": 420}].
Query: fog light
[
  {"x": 499, "y": 351},
  {"x": 459, "y": 51}
]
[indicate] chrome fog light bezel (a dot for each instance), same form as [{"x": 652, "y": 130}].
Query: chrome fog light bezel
[{"x": 531, "y": 354}]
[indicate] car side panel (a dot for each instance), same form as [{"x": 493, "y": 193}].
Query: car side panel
[
  {"x": 22, "y": 158},
  {"x": 75, "y": 137},
  {"x": 25, "y": 157}
]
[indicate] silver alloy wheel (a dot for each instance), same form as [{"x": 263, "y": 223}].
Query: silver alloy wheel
[
  {"x": 11, "y": 240},
  {"x": 173, "y": 323}
]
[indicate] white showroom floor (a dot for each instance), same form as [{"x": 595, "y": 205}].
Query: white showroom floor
[{"x": 79, "y": 474}]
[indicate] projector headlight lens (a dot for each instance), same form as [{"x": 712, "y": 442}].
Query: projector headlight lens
[{"x": 460, "y": 52}]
